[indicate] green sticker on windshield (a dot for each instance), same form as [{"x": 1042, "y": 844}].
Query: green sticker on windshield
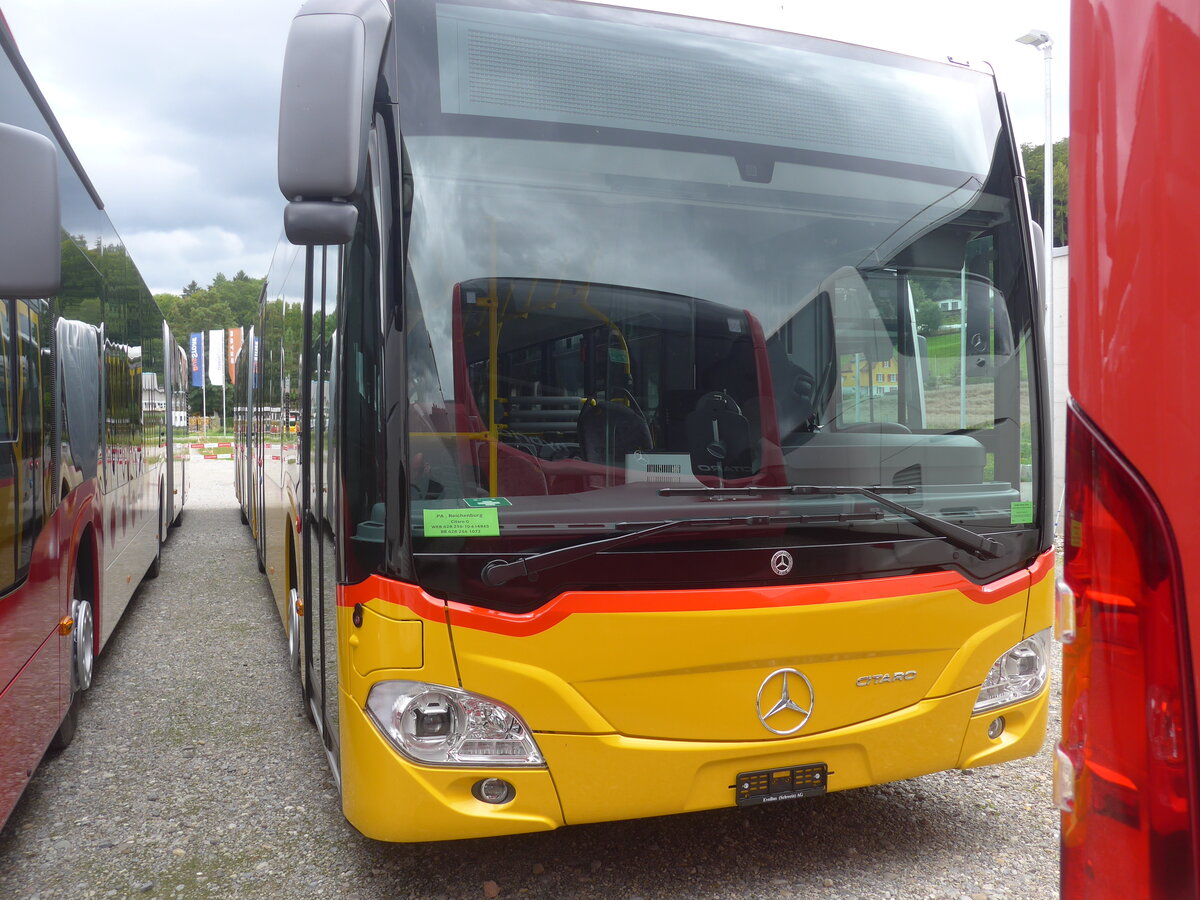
[
  {"x": 1021, "y": 513},
  {"x": 618, "y": 355},
  {"x": 462, "y": 522},
  {"x": 485, "y": 502}
]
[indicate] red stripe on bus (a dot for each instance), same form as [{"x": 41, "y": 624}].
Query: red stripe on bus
[{"x": 723, "y": 599}]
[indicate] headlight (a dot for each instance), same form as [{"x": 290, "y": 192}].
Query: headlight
[
  {"x": 1017, "y": 675},
  {"x": 445, "y": 726}
]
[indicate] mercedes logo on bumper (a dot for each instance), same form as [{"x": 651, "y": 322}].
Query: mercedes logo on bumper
[{"x": 785, "y": 701}]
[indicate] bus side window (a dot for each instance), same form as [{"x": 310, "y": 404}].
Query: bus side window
[
  {"x": 7, "y": 382},
  {"x": 8, "y": 459},
  {"x": 29, "y": 480}
]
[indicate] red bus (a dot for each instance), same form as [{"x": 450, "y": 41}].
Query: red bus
[
  {"x": 90, "y": 378},
  {"x": 1126, "y": 767}
]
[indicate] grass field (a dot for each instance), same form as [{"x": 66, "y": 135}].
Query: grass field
[{"x": 944, "y": 351}]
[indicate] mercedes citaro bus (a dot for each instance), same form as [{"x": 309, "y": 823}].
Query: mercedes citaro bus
[
  {"x": 1127, "y": 778},
  {"x": 645, "y": 414},
  {"x": 91, "y": 472}
]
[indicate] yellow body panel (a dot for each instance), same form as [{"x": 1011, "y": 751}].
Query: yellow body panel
[
  {"x": 394, "y": 643},
  {"x": 1041, "y": 604},
  {"x": 384, "y": 644},
  {"x": 607, "y": 777},
  {"x": 651, "y": 713},
  {"x": 694, "y": 675}
]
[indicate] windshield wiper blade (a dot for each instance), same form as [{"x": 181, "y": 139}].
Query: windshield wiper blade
[
  {"x": 498, "y": 572},
  {"x": 963, "y": 538}
]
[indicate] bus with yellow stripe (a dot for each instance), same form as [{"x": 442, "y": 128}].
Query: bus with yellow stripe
[{"x": 599, "y": 449}]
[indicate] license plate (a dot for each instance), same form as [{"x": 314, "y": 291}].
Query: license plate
[{"x": 773, "y": 785}]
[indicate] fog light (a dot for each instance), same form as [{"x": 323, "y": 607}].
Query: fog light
[
  {"x": 493, "y": 790},
  {"x": 996, "y": 728}
]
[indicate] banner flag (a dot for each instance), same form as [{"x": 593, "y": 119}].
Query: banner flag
[
  {"x": 233, "y": 343},
  {"x": 216, "y": 357},
  {"x": 197, "y": 351}
]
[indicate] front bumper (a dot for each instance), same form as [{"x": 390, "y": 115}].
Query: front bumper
[{"x": 605, "y": 777}]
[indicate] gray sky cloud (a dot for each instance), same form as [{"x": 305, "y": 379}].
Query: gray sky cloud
[{"x": 172, "y": 105}]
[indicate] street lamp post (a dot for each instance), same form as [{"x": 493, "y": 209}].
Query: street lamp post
[
  {"x": 1036, "y": 39},
  {"x": 1042, "y": 39}
]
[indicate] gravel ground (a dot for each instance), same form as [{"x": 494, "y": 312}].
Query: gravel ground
[{"x": 195, "y": 774}]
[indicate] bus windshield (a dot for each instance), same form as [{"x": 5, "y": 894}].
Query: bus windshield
[{"x": 648, "y": 253}]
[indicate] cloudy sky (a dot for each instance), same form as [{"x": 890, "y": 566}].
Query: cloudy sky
[{"x": 172, "y": 105}]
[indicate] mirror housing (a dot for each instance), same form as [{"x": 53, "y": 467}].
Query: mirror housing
[
  {"x": 30, "y": 220},
  {"x": 319, "y": 222},
  {"x": 330, "y": 71},
  {"x": 939, "y": 249}
]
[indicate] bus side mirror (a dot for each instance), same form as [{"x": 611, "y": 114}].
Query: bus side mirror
[
  {"x": 330, "y": 70},
  {"x": 30, "y": 225}
]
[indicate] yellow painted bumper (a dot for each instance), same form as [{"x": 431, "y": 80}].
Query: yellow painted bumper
[
  {"x": 594, "y": 778},
  {"x": 389, "y": 798}
]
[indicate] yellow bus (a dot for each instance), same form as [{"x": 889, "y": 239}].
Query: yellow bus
[{"x": 602, "y": 500}]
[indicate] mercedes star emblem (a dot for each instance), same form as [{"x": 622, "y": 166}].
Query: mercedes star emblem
[
  {"x": 781, "y": 562},
  {"x": 795, "y": 698}
]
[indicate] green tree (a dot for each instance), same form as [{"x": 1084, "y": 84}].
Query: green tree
[
  {"x": 929, "y": 317},
  {"x": 225, "y": 303},
  {"x": 1034, "y": 159}
]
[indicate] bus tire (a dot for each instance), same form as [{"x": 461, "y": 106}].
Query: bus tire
[
  {"x": 156, "y": 563},
  {"x": 294, "y": 629},
  {"x": 83, "y": 637},
  {"x": 69, "y": 725}
]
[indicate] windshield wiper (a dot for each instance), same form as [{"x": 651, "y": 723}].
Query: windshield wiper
[
  {"x": 498, "y": 572},
  {"x": 963, "y": 538}
]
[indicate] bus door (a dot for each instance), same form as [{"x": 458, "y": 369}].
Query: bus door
[
  {"x": 258, "y": 439},
  {"x": 167, "y": 430},
  {"x": 317, "y": 581},
  {"x": 246, "y": 463}
]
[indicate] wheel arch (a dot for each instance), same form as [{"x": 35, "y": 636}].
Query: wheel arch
[{"x": 86, "y": 560}]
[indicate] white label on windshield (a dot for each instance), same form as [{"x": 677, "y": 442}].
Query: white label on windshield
[{"x": 659, "y": 468}]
